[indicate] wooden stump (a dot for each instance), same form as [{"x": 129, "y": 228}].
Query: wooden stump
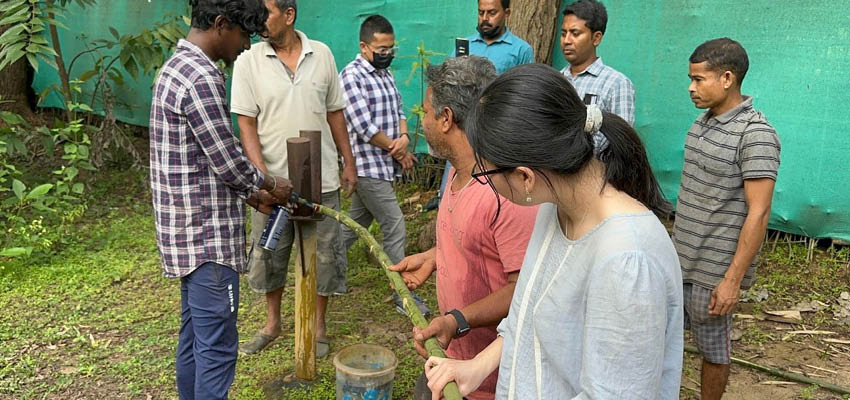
[{"x": 305, "y": 301}]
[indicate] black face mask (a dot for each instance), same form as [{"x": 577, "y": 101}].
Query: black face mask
[
  {"x": 381, "y": 61},
  {"x": 490, "y": 34}
]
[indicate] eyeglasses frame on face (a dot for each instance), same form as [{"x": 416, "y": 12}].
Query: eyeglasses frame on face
[
  {"x": 483, "y": 174},
  {"x": 384, "y": 51}
]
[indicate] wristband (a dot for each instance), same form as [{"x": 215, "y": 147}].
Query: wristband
[{"x": 462, "y": 326}]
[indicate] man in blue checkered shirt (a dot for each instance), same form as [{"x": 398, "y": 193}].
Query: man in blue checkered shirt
[
  {"x": 378, "y": 134},
  {"x": 596, "y": 83}
]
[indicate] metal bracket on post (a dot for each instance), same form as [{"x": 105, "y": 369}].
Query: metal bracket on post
[{"x": 305, "y": 172}]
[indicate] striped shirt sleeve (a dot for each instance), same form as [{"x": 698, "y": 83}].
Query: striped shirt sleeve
[
  {"x": 759, "y": 155},
  {"x": 357, "y": 108},
  {"x": 400, "y": 106},
  {"x": 206, "y": 113}
]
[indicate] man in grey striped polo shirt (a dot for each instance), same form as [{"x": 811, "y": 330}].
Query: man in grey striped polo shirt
[{"x": 731, "y": 162}]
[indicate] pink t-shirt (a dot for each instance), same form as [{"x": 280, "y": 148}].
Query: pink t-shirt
[{"x": 475, "y": 256}]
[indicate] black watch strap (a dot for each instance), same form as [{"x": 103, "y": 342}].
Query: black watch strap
[{"x": 462, "y": 325}]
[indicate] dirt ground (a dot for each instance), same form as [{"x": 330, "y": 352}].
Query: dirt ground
[{"x": 802, "y": 354}]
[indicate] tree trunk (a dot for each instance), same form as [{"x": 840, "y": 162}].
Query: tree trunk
[
  {"x": 60, "y": 64},
  {"x": 15, "y": 88},
  {"x": 534, "y": 21}
]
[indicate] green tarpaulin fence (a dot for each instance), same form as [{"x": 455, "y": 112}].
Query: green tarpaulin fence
[{"x": 796, "y": 52}]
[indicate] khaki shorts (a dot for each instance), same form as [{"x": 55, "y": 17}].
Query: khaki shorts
[
  {"x": 268, "y": 269},
  {"x": 712, "y": 332}
]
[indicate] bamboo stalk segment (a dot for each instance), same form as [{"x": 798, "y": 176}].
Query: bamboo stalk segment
[{"x": 450, "y": 392}]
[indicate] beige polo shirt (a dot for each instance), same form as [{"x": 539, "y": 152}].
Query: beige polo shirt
[{"x": 263, "y": 89}]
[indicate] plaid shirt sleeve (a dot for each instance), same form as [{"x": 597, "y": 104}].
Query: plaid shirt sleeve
[
  {"x": 206, "y": 113},
  {"x": 400, "y": 106},
  {"x": 622, "y": 100},
  {"x": 357, "y": 108}
]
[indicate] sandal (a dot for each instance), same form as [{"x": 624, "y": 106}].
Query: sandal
[
  {"x": 256, "y": 344},
  {"x": 323, "y": 346}
]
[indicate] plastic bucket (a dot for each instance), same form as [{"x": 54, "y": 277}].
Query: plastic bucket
[{"x": 365, "y": 372}]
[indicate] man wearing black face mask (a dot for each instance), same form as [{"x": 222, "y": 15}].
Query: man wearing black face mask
[{"x": 377, "y": 130}]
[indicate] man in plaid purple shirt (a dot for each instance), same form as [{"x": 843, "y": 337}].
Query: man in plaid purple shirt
[
  {"x": 596, "y": 83},
  {"x": 198, "y": 178},
  {"x": 378, "y": 134}
]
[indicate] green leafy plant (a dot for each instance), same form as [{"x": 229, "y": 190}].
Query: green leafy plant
[
  {"x": 428, "y": 170},
  {"x": 35, "y": 214},
  {"x": 137, "y": 54},
  {"x": 418, "y": 67},
  {"x": 30, "y": 21}
]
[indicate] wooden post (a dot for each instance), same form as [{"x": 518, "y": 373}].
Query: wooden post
[
  {"x": 305, "y": 301},
  {"x": 302, "y": 161}
]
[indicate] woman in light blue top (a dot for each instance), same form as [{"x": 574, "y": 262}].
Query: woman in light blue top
[{"x": 597, "y": 311}]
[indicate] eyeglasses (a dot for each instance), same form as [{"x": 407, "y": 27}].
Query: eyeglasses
[
  {"x": 384, "y": 51},
  {"x": 481, "y": 176}
]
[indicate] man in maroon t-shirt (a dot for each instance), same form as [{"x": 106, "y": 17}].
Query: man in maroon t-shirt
[{"x": 481, "y": 238}]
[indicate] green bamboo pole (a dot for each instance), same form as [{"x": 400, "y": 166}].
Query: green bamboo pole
[
  {"x": 781, "y": 373},
  {"x": 450, "y": 392}
]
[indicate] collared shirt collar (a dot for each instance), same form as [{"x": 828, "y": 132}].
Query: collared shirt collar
[
  {"x": 363, "y": 63},
  {"x": 506, "y": 37},
  {"x": 306, "y": 47},
  {"x": 594, "y": 68},
  {"x": 186, "y": 45},
  {"x": 731, "y": 114}
]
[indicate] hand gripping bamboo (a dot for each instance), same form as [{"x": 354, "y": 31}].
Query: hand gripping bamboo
[{"x": 450, "y": 392}]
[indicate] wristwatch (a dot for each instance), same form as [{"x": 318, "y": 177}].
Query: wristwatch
[{"x": 462, "y": 325}]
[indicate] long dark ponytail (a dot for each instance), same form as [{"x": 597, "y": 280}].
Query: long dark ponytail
[{"x": 531, "y": 116}]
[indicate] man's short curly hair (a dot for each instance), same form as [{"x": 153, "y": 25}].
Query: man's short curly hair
[{"x": 250, "y": 15}]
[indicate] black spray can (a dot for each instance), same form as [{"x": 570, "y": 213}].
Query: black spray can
[{"x": 271, "y": 235}]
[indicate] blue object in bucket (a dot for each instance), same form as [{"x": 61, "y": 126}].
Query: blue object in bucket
[
  {"x": 358, "y": 393},
  {"x": 365, "y": 372}
]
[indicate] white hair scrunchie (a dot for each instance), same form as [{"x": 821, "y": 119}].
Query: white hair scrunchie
[
  {"x": 592, "y": 126},
  {"x": 594, "y": 119}
]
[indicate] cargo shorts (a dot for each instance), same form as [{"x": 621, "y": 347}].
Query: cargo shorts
[{"x": 268, "y": 269}]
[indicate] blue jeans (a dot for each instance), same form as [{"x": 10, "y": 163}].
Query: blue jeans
[{"x": 208, "y": 343}]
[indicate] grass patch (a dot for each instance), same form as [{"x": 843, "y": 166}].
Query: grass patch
[{"x": 97, "y": 320}]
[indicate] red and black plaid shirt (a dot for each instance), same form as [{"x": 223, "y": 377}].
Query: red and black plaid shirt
[{"x": 199, "y": 175}]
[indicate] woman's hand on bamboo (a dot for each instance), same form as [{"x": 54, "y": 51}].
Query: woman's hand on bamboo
[
  {"x": 440, "y": 371},
  {"x": 443, "y": 328}
]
